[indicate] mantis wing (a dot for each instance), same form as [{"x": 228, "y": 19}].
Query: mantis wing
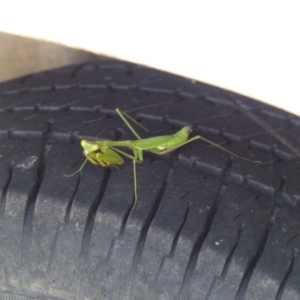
[{"x": 164, "y": 142}]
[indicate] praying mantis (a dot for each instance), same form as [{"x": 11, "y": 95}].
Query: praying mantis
[{"x": 107, "y": 153}]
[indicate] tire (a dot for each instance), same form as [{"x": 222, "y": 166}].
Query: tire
[{"x": 206, "y": 226}]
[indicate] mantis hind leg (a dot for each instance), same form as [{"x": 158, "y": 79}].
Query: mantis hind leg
[
  {"x": 209, "y": 142},
  {"x": 224, "y": 149}
]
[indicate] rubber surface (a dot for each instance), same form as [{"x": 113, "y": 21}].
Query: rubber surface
[{"x": 207, "y": 226}]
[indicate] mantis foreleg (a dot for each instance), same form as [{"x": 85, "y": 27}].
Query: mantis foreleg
[
  {"x": 80, "y": 169},
  {"x": 137, "y": 158}
]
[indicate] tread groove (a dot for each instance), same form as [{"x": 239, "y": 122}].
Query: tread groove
[
  {"x": 70, "y": 203},
  {"x": 286, "y": 277},
  {"x": 177, "y": 234},
  {"x": 229, "y": 258},
  {"x": 5, "y": 189},
  {"x": 255, "y": 258},
  {"x": 278, "y": 193},
  {"x": 89, "y": 224},
  {"x": 29, "y": 213},
  {"x": 199, "y": 243},
  {"x": 52, "y": 251},
  {"x": 291, "y": 239},
  {"x": 107, "y": 259},
  {"x": 170, "y": 255},
  {"x": 145, "y": 229}
]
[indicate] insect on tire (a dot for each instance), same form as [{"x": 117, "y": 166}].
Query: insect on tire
[{"x": 206, "y": 226}]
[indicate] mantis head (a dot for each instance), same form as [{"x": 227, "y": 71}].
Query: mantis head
[{"x": 88, "y": 147}]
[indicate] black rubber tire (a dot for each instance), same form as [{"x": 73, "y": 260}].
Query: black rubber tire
[{"x": 207, "y": 226}]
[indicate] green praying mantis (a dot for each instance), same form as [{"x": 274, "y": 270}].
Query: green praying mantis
[{"x": 107, "y": 153}]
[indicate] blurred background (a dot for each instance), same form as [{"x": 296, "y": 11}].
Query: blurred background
[{"x": 21, "y": 56}]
